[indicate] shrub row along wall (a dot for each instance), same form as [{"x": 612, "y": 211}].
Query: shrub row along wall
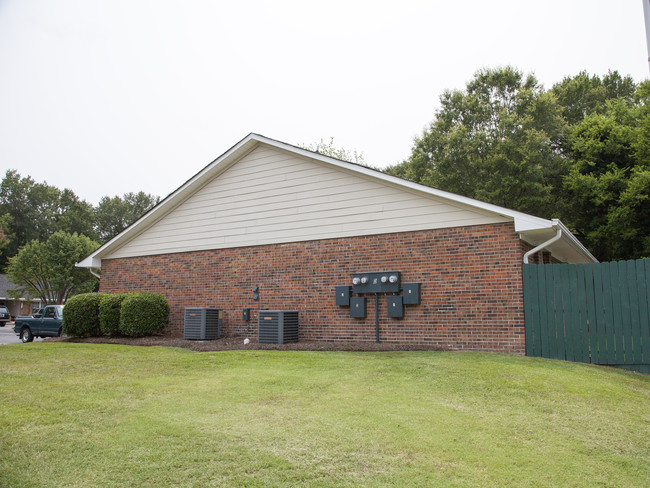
[
  {"x": 471, "y": 285},
  {"x": 130, "y": 314}
]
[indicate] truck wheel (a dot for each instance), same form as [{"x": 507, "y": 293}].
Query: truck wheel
[{"x": 26, "y": 335}]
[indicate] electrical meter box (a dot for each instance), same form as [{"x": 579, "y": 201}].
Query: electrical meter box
[
  {"x": 385, "y": 282},
  {"x": 358, "y": 307},
  {"x": 395, "y": 307},
  {"x": 411, "y": 293},
  {"x": 343, "y": 296}
]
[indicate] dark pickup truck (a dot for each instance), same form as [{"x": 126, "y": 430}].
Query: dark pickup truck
[{"x": 49, "y": 324}]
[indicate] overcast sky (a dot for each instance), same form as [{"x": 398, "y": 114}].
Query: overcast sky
[{"x": 109, "y": 96}]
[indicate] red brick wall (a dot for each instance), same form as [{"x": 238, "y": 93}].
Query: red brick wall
[{"x": 471, "y": 286}]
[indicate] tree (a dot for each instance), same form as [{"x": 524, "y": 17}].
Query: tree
[
  {"x": 496, "y": 141},
  {"x": 15, "y": 203},
  {"x": 38, "y": 210},
  {"x": 5, "y": 225},
  {"x": 609, "y": 182},
  {"x": 329, "y": 149},
  {"x": 582, "y": 95},
  {"x": 73, "y": 215},
  {"x": 47, "y": 269},
  {"x": 113, "y": 215}
]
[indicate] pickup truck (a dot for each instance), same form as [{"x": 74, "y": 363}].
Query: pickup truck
[{"x": 49, "y": 324}]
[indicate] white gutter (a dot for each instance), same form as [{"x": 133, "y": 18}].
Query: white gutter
[{"x": 557, "y": 236}]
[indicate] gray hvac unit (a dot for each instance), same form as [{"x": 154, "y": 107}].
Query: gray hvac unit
[
  {"x": 202, "y": 323},
  {"x": 277, "y": 326}
]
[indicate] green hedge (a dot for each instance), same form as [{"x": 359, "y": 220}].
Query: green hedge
[
  {"x": 143, "y": 314},
  {"x": 109, "y": 313},
  {"x": 81, "y": 315}
]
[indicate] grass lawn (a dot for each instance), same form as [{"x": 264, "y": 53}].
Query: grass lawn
[{"x": 74, "y": 415}]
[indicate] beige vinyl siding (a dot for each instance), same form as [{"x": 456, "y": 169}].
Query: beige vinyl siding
[{"x": 273, "y": 196}]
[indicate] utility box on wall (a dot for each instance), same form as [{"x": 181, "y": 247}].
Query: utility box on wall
[
  {"x": 411, "y": 293},
  {"x": 343, "y": 296},
  {"x": 277, "y": 326},
  {"x": 385, "y": 282},
  {"x": 202, "y": 324},
  {"x": 395, "y": 307},
  {"x": 358, "y": 307}
]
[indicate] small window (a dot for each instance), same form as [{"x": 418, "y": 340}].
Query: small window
[{"x": 50, "y": 313}]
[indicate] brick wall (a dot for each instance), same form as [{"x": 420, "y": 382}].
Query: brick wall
[{"x": 471, "y": 286}]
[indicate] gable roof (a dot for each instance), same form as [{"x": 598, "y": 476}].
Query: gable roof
[{"x": 533, "y": 230}]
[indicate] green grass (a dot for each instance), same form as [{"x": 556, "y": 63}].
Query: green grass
[{"x": 83, "y": 415}]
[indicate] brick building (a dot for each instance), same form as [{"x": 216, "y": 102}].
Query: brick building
[{"x": 272, "y": 226}]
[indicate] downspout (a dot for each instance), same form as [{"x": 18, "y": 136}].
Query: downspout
[{"x": 558, "y": 235}]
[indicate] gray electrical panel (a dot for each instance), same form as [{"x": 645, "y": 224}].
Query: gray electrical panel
[
  {"x": 277, "y": 326},
  {"x": 343, "y": 296},
  {"x": 411, "y": 293},
  {"x": 358, "y": 307},
  {"x": 202, "y": 323},
  {"x": 395, "y": 307}
]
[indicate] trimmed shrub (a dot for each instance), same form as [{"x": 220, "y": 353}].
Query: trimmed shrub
[
  {"x": 109, "y": 313},
  {"x": 81, "y": 315},
  {"x": 143, "y": 314}
]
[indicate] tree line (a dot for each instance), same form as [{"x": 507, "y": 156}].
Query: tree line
[
  {"x": 44, "y": 231},
  {"x": 579, "y": 151}
]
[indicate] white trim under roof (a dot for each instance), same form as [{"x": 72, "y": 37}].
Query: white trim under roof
[{"x": 531, "y": 229}]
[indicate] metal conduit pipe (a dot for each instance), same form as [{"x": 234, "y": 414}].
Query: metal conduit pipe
[{"x": 558, "y": 234}]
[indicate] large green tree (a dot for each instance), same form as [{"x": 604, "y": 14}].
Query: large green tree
[
  {"x": 496, "y": 141},
  {"x": 46, "y": 270},
  {"x": 113, "y": 215},
  {"x": 609, "y": 182},
  {"x": 583, "y": 94},
  {"x": 38, "y": 210}
]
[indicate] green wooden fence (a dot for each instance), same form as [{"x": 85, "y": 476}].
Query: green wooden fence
[{"x": 594, "y": 313}]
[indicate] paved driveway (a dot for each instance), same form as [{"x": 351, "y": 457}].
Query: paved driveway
[{"x": 8, "y": 336}]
